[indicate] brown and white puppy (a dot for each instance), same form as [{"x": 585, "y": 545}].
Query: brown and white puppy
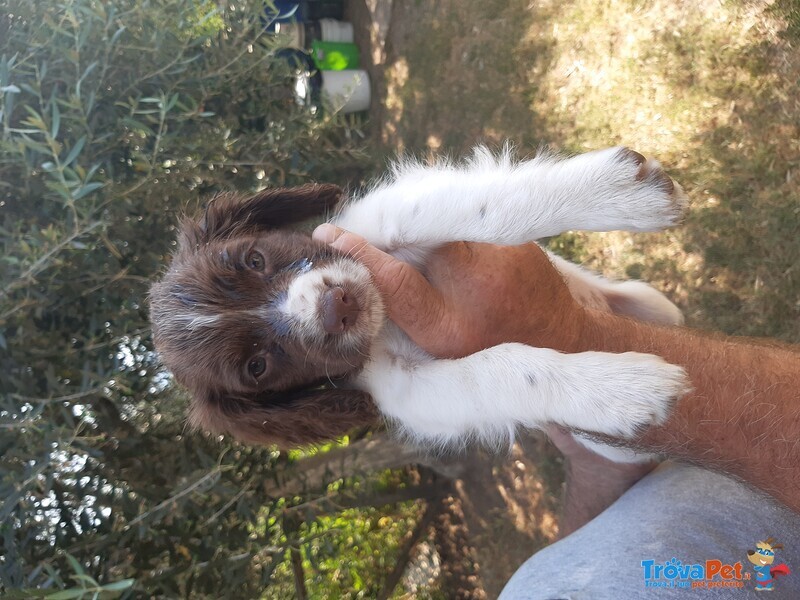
[
  {"x": 219, "y": 323},
  {"x": 283, "y": 340}
]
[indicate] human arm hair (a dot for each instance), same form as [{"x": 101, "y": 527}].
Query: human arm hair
[{"x": 742, "y": 417}]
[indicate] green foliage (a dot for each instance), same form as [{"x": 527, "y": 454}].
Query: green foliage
[
  {"x": 373, "y": 538},
  {"x": 116, "y": 116}
]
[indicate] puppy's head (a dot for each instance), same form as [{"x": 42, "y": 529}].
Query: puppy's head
[{"x": 261, "y": 323}]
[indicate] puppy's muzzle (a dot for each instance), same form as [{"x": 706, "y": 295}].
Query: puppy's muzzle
[{"x": 339, "y": 310}]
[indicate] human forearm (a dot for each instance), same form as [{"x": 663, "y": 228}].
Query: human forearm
[{"x": 743, "y": 415}]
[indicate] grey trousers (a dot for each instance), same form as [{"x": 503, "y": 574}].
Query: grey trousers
[{"x": 676, "y": 533}]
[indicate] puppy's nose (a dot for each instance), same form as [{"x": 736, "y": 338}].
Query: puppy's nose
[{"x": 339, "y": 311}]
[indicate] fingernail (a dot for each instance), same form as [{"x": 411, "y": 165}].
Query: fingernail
[{"x": 327, "y": 233}]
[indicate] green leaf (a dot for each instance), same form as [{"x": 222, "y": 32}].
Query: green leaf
[
  {"x": 55, "y": 123},
  {"x": 123, "y": 584},
  {"x": 136, "y": 125},
  {"x": 90, "y": 102},
  {"x": 88, "y": 70},
  {"x": 66, "y": 594},
  {"x": 35, "y": 119},
  {"x": 75, "y": 151},
  {"x": 87, "y": 189},
  {"x": 358, "y": 583},
  {"x": 73, "y": 562},
  {"x": 172, "y": 101},
  {"x": 116, "y": 35},
  {"x": 27, "y": 142}
]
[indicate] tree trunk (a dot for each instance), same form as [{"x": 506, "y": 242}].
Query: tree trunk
[
  {"x": 460, "y": 575},
  {"x": 362, "y": 457},
  {"x": 509, "y": 506},
  {"x": 408, "y": 545}
]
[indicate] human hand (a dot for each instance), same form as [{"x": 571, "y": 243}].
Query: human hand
[{"x": 473, "y": 296}]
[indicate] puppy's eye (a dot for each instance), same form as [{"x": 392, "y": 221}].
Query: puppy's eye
[
  {"x": 257, "y": 366},
  {"x": 255, "y": 260}
]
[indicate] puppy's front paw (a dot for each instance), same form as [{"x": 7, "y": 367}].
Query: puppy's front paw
[
  {"x": 629, "y": 392},
  {"x": 624, "y": 190},
  {"x": 656, "y": 200},
  {"x": 652, "y": 389}
]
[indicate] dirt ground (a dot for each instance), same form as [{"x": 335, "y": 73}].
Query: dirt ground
[{"x": 712, "y": 89}]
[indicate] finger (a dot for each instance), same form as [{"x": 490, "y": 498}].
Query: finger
[{"x": 412, "y": 302}]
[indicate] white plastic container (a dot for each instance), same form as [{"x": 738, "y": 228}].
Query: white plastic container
[
  {"x": 332, "y": 30},
  {"x": 346, "y": 91}
]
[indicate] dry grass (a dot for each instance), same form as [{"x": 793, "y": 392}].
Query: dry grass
[{"x": 711, "y": 88}]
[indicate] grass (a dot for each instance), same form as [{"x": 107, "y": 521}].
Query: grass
[{"x": 710, "y": 88}]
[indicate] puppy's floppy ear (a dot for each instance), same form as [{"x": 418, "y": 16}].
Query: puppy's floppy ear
[
  {"x": 286, "y": 419},
  {"x": 228, "y": 213}
]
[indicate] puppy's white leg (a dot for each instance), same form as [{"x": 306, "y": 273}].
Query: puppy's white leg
[
  {"x": 496, "y": 200},
  {"x": 488, "y": 394},
  {"x": 629, "y": 298}
]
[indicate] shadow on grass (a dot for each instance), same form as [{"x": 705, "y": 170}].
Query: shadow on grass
[
  {"x": 746, "y": 226},
  {"x": 457, "y": 72},
  {"x": 462, "y": 72},
  {"x": 750, "y": 239}
]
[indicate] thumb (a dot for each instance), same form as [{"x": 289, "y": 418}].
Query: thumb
[{"x": 412, "y": 302}]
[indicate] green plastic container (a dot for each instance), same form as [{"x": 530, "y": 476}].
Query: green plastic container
[{"x": 334, "y": 56}]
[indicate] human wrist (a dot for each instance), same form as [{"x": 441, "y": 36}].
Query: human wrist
[
  {"x": 580, "y": 326},
  {"x": 602, "y": 331}
]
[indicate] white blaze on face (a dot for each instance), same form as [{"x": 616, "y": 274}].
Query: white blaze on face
[
  {"x": 302, "y": 306},
  {"x": 302, "y": 303}
]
